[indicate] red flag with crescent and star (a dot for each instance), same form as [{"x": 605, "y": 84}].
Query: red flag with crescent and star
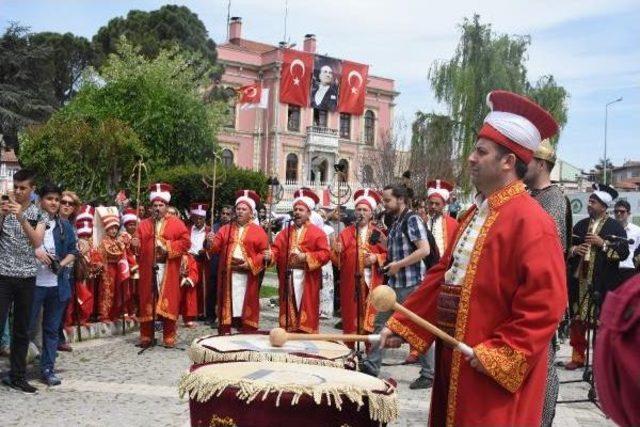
[
  {"x": 353, "y": 88},
  {"x": 295, "y": 77},
  {"x": 250, "y": 94}
]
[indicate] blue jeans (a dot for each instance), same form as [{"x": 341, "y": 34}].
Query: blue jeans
[
  {"x": 47, "y": 298},
  {"x": 374, "y": 358}
]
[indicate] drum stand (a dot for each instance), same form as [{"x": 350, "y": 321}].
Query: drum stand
[
  {"x": 288, "y": 278},
  {"x": 357, "y": 294},
  {"x": 593, "y": 314}
]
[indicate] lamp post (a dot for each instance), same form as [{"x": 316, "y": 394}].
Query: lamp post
[{"x": 606, "y": 116}]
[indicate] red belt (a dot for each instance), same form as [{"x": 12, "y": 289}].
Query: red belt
[{"x": 447, "y": 308}]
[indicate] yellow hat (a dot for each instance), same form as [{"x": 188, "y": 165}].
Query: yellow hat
[{"x": 545, "y": 151}]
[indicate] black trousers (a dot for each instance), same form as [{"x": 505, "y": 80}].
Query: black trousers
[{"x": 19, "y": 292}]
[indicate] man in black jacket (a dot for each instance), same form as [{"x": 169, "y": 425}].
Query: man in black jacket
[{"x": 593, "y": 266}]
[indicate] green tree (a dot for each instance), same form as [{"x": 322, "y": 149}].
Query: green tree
[
  {"x": 157, "y": 30},
  {"x": 431, "y": 150},
  {"x": 26, "y": 91},
  {"x": 93, "y": 158},
  {"x": 69, "y": 56},
  {"x": 189, "y": 186},
  {"x": 160, "y": 99},
  {"x": 486, "y": 61}
]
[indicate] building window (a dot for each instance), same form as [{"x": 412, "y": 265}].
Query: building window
[
  {"x": 292, "y": 168},
  {"x": 369, "y": 127},
  {"x": 320, "y": 118},
  {"x": 344, "y": 168},
  {"x": 227, "y": 157},
  {"x": 293, "y": 118},
  {"x": 231, "y": 114},
  {"x": 345, "y": 125},
  {"x": 367, "y": 175}
]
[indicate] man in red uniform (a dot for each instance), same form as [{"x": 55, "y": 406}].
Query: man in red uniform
[
  {"x": 443, "y": 227},
  {"x": 500, "y": 287},
  {"x": 367, "y": 264},
  {"x": 161, "y": 240},
  {"x": 300, "y": 250},
  {"x": 194, "y": 270},
  {"x": 241, "y": 245}
]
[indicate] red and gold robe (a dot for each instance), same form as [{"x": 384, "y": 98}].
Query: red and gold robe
[
  {"x": 115, "y": 273},
  {"x": 506, "y": 303},
  {"x": 174, "y": 236},
  {"x": 132, "y": 261},
  {"x": 85, "y": 273},
  {"x": 443, "y": 229},
  {"x": 247, "y": 243},
  {"x": 346, "y": 262},
  {"x": 312, "y": 241},
  {"x": 194, "y": 274}
]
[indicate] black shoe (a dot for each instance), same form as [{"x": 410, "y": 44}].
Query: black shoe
[
  {"x": 21, "y": 385},
  {"x": 365, "y": 368},
  {"x": 420, "y": 383}
]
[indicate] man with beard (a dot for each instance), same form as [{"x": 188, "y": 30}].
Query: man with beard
[
  {"x": 361, "y": 260},
  {"x": 554, "y": 202},
  {"x": 594, "y": 259},
  {"x": 501, "y": 286},
  {"x": 299, "y": 251},
  {"x": 161, "y": 241},
  {"x": 443, "y": 227},
  {"x": 241, "y": 245}
]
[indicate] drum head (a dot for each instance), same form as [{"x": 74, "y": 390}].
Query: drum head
[
  {"x": 289, "y": 384},
  {"x": 256, "y": 348}
]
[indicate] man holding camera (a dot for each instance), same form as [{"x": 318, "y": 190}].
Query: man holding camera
[{"x": 22, "y": 229}]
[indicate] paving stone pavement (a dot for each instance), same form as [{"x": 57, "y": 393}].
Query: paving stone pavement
[{"x": 106, "y": 383}]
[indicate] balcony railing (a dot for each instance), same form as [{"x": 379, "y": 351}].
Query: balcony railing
[
  {"x": 322, "y": 138},
  {"x": 321, "y": 189}
]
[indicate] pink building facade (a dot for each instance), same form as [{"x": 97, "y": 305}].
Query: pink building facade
[{"x": 299, "y": 145}]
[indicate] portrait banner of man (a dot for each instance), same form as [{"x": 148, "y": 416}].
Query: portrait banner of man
[{"x": 325, "y": 83}]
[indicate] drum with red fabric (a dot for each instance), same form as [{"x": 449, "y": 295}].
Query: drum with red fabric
[
  {"x": 274, "y": 394},
  {"x": 256, "y": 348}
]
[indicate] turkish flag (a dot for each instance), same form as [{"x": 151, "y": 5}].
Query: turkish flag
[
  {"x": 353, "y": 88},
  {"x": 295, "y": 77},
  {"x": 250, "y": 94}
]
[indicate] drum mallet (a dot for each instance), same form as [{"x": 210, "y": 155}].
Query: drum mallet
[
  {"x": 383, "y": 298},
  {"x": 278, "y": 337}
]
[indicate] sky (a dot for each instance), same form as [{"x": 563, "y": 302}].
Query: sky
[{"x": 591, "y": 47}]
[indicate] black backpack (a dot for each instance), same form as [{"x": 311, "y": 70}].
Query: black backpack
[{"x": 434, "y": 254}]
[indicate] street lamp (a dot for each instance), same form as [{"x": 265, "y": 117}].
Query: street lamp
[{"x": 606, "y": 115}]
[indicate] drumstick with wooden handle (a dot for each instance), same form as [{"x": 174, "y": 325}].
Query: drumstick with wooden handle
[
  {"x": 383, "y": 298},
  {"x": 278, "y": 337}
]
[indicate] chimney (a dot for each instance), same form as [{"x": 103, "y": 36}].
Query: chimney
[
  {"x": 235, "y": 28},
  {"x": 309, "y": 43}
]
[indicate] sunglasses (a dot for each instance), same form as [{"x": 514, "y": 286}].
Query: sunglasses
[
  {"x": 66, "y": 202},
  {"x": 620, "y": 211}
]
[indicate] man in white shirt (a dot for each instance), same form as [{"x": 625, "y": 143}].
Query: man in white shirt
[{"x": 622, "y": 213}]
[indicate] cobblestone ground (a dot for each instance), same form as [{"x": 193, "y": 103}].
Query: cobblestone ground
[{"x": 106, "y": 383}]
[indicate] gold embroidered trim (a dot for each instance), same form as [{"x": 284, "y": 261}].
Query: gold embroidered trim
[
  {"x": 217, "y": 421},
  {"x": 505, "y": 194},
  {"x": 409, "y": 336},
  {"x": 463, "y": 312},
  {"x": 504, "y": 364}
]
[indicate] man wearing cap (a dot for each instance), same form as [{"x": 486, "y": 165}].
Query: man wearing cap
[
  {"x": 594, "y": 259},
  {"x": 241, "y": 245},
  {"x": 84, "y": 273},
  {"x": 557, "y": 205},
  {"x": 443, "y": 227},
  {"x": 161, "y": 240},
  {"x": 115, "y": 271},
  {"x": 195, "y": 267},
  {"x": 363, "y": 260},
  {"x": 130, "y": 224},
  {"x": 299, "y": 251},
  {"x": 500, "y": 287}
]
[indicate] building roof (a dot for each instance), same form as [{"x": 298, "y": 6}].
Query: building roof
[
  {"x": 627, "y": 185},
  {"x": 8, "y": 156},
  {"x": 249, "y": 45},
  {"x": 628, "y": 164}
]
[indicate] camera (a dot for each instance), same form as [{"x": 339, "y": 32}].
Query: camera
[{"x": 55, "y": 266}]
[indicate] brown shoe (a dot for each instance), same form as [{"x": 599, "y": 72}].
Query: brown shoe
[
  {"x": 572, "y": 366},
  {"x": 169, "y": 343}
]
